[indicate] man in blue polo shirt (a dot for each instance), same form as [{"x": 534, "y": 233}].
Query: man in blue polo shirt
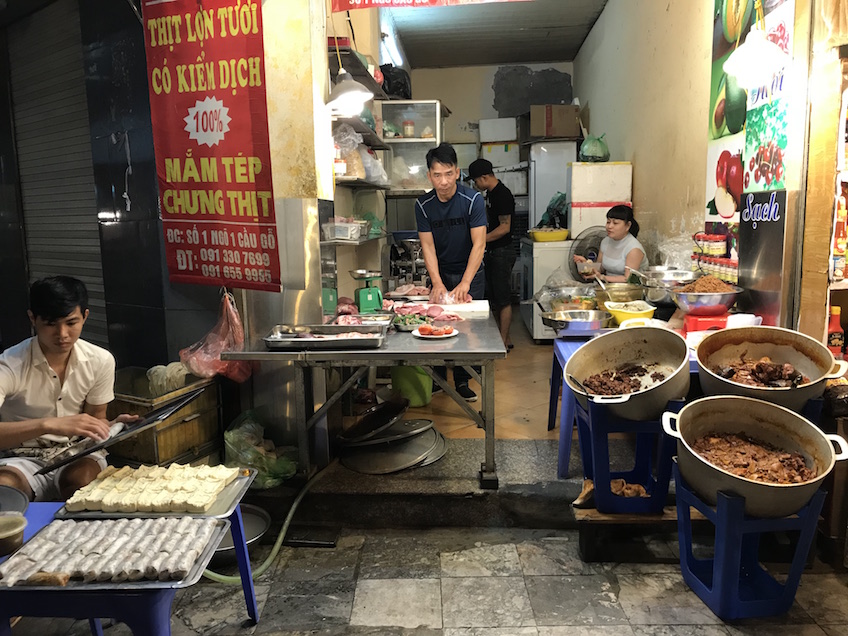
[{"x": 451, "y": 223}]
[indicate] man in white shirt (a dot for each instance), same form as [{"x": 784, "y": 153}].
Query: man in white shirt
[{"x": 54, "y": 387}]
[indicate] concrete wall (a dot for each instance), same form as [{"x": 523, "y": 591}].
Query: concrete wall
[
  {"x": 470, "y": 94},
  {"x": 644, "y": 73}
]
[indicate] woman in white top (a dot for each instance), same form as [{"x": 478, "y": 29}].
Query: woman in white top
[{"x": 620, "y": 251}]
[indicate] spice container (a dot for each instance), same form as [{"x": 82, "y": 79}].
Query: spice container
[{"x": 408, "y": 128}]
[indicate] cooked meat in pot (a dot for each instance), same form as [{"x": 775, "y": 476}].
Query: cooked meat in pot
[
  {"x": 753, "y": 459},
  {"x": 762, "y": 372},
  {"x": 626, "y": 379}
]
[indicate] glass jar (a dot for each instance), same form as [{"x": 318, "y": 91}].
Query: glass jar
[
  {"x": 734, "y": 272},
  {"x": 695, "y": 265},
  {"x": 408, "y": 128},
  {"x": 700, "y": 241}
]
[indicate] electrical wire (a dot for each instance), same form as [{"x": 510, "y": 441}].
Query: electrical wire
[{"x": 236, "y": 580}]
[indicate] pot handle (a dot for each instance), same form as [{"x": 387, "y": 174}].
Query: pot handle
[
  {"x": 841, "y": 367},
  {"x": 611, "y": 399},
  {"x": 841, "y": 443},
  {"x": 669, "y": 424}
]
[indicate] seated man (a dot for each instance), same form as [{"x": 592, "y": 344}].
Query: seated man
[{"x": 54, "y": 387}]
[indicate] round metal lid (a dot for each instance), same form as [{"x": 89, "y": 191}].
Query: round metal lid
[
  {"x": 390, "y": 458},
  {"x": 397, "y": 431},
  {"x": 256, "y": 522},
  {"x": 13, "y": 500},
  {"x": 374, "y": 420},
  {"x": 438, "y": 451}
]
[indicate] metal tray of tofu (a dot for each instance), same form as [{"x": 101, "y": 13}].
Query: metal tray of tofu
[
  {"x": 221, "y": 528},
  {"x": 222, "y": 507},
  {"x": 304, "y": 337}
]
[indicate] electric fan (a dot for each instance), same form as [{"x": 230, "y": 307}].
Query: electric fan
[{"x": 588, "y": 245}]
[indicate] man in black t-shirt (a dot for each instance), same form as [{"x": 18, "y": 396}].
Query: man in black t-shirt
[{"x": 500, "y": 251}]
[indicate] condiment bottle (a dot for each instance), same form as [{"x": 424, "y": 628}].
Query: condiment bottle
[
  {"x": 408, "y": 128},
  {"x": 835, "y": 334}
]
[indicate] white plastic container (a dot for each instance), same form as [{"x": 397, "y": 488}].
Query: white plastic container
[
  {"x": 504, "y": 129},
  {"x": 501, "y": 154},
  {"x": 595, "y": 182}
]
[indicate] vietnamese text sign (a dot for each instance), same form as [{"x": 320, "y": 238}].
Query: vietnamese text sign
[
  {"x": 348, "y": 5},
  {"x": 205, "y": 64}
]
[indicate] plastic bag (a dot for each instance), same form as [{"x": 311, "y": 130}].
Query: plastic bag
[
  {"x": 203, "y": 358},
  {"x": 676, "y": 252},
  {"x": 594, "y": 149},
  {"x": 346, "y": 138},
  {"x": 374, "y": 171},
  {"x": 396, "y": 81},
  {"x": 246, "y": 447}
]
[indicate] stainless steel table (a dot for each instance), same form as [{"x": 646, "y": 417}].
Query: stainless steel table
[{"x": 478, "y": 344}]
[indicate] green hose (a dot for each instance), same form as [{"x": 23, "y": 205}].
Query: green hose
[{"x": 236, "y": 580}]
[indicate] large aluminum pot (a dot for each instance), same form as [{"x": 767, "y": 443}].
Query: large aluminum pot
[
  {"x": 642, "y": 345},
  {"x": 806, "y": 354},
  {"x": 618, "y": 293},
  {"x": 765, "y": 422}
]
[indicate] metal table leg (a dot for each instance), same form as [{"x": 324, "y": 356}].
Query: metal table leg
[
  {"x": 240, "y": 546},
  {"x": 488, "y": 474}
]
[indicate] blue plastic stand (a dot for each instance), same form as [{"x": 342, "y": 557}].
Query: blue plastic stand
[
  {"x": 653, "y": 448},
  {"x": 733, "y": 584}
]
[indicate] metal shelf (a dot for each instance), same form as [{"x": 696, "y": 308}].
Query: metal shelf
[
  {"x": 406, "y": 193},
  {"x": 409, "y": 140},
  {"x": 369, "y": 137},
  {"x": 356, "y": 242},
  {"x": 359, "y": 183},
  {"x": 353, "y": 65}
]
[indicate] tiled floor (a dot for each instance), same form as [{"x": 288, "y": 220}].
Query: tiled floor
[
  {"x": 522, "y": 384},
  {"x": 473, "y": 582}
]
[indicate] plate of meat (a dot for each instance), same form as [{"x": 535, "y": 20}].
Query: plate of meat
[{"x": 428, "y": 332}]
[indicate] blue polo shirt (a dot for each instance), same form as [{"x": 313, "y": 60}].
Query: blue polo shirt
[{"x": 450, "y": 223}]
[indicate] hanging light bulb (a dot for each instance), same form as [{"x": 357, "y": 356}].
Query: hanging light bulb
[
  {"x": 756, "y": 60},
  {"x": 348, "y": 97}
]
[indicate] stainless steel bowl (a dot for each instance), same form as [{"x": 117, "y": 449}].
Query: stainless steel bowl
[
  {"x": 705, "y": 304},
  {"x": 256, "y": 523},
  {"x": 618, "y": 293},
  {"x": 660, "y": 284},
  {"x": 577, "y": 320}
]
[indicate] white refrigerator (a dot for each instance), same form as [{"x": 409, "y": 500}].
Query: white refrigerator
[
  {"x": 538, "y": 261},
  {"x": 548, "y": 173}
]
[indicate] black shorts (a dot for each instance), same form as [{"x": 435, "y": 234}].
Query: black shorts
[{"x": 499, "y": 264}]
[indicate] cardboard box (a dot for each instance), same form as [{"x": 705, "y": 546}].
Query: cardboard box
[
  {"x": 599, "y": 182},
  {"x": 555, "y": 120},
  {"x": 583, "y": 216},
  {"x": 501, "y": 154},
  {"x": 505, "y": 129}
]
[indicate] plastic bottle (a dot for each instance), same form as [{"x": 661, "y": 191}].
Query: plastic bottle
[
  {"x": 840, "y": 232},
  {"x": 835, "y": 334}
]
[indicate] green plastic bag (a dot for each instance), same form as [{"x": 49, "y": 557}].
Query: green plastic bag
[
  {"x": 243, "y": 449},
  {"x": 594, "y": 149}
]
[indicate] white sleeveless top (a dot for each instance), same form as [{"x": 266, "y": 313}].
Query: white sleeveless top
[{"x": 615, "y": 254}]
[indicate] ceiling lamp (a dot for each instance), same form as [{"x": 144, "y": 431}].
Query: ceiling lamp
[
  {"x": 757, "y": 60},
  {"x": 348, "y": 97}
]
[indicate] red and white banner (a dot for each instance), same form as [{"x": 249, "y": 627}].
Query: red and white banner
[
  {"x": 205, "y": 70},
  {"x": 348, "y": 5}
]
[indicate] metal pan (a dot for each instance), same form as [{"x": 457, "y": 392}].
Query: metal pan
[
  {"x": 374, "y": 421},
  {"x": 286, "y": 337},
  {"x": 83, "y": 448}
]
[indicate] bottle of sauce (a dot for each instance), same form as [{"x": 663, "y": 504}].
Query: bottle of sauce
[
  {"x": 840, "y": 238},
  {"x": 835, "y": 334}
]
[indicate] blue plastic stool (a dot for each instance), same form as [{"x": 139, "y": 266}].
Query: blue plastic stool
[
  {"x": 653, "y": 447},
  {"x": 733, "y": 584}
]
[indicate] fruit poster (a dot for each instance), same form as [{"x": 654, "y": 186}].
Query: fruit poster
[
  {"x": 747, "y": 129},
  {"x": 205, "y": 70}
]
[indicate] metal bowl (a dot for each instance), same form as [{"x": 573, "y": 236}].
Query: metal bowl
[
  {"x": 364, "y": 274},
  {"x": 705, "y": 304},
  {"x": 619, "y": 293},
  {"x": 256, "y": 522},
  {"x": 577, "y": 320}
]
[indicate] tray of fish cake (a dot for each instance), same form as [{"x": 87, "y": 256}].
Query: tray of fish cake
[
  {"x": 115, "y": 554},
  {"x": 156, "y": 491}
]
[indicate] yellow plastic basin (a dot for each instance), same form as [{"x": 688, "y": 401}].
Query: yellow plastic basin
[
  {"x": 545, "y": 235},
  {"x": 632, "y": 309}
]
